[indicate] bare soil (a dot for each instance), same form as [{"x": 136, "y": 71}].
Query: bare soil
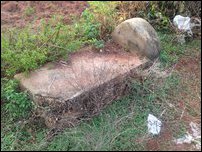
[
  {"x": 189, "y": 69},
  {"x": 20, "y": 13}
]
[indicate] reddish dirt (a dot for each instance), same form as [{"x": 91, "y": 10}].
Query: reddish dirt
[
  {"x": 14, "y": 13},
  {"x": 164, "y": 142},
  {"x": 153, "y": 145},
  {"x": 189, "y": 68},
  {"x": 160, "y": 142},
  {"x": 110, "y": 47},
  {"x": 189, "y": 65}
]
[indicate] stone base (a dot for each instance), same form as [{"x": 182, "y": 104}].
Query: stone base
[{"x": 68, "y": 92}]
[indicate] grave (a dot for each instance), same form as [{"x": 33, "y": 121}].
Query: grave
[{"x": 66, "y": 92}]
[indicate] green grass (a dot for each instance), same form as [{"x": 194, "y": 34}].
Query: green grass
[
  {"x": 18, "y": 104},
  {"x": 120, "y": 125},
  {"x": 171, "y": 51},
  {"x": 116, "y": 128},
  {"x": 29, "y": 11}
]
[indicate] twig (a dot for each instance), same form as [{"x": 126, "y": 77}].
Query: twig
[
  {"x": 163, "y": 112},
  {"x": 124, "y": 117},
  {"x": 47, "y": 40},
  {"x": 182, "y": 113},
  {"x": 51, "y": 84},
  {"x": 53, "y": 45}
]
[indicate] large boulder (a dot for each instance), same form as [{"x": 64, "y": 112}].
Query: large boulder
[{"x": 138, "y": 36}]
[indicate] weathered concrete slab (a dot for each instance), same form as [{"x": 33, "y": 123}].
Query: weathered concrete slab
[{"x": 65, "y": 92}]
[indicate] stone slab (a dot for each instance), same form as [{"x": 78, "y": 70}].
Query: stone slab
[{"x": 80, "y": 87}]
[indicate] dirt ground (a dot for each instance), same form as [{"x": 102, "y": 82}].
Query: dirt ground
[
  {"x": 20, "y": 13},
  {"x": 189, "y": 69}
]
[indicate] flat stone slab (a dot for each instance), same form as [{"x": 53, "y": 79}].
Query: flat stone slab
[{"x": 65, "y": 91}]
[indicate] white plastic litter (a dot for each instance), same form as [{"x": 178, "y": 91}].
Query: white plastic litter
[
  {"x": 183, "y": 23},
  {"x": 154, "y": 125},
  {"x": 194, "y": 137},
  {"x": 196, "y": 131},
  {"x": 185, "y": 139},
  {"x": 186, "y": 24}
]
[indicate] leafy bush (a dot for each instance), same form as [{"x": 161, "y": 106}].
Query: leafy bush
[
  {"x": 156, "y": 16},
  {"x": 158, "y": 13},
  {"x": 103, "y": 16},
  {"x": 24, "y": 49},
  {"x": 17, "y": 103},
  {"x": 148, "y": 10},
  {"x": 98, "y": 44},
  {"x": 27, "y": 49}
]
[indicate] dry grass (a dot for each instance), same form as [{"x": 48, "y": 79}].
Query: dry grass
[{"x": 130, "y": 9}]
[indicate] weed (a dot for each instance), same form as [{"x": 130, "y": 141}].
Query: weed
[
  {"x": 97, "y": 43},
  {"x": 104, "y": 15},
  {"x": 172, "y": 51},
  {"x": 180, "y": 129},
  {"x": 17, "y": 103},
  {"x": 19, "y": 52},
  {"x": 29, "y": 11},
  {"x": 26, "y": 49},
  {"x": 121, "y": 124},
  {"x": 127, "y": 10}
]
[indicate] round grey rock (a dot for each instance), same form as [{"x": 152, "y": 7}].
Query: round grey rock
[{"x": 137, "y": 35}]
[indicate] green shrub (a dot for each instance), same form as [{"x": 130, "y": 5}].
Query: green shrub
[
  {"x": 17, "y": 104},
  {"x": 103, "y": 16},
  {"x": 24, "y": 49},
  {"x": 158, "y": 13},
  {"x": 20, "y": 52},
  {"x": 98, "y": 44},
  {"x": 27, "y": 49},
  {"x": 158, "y": 20}
]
